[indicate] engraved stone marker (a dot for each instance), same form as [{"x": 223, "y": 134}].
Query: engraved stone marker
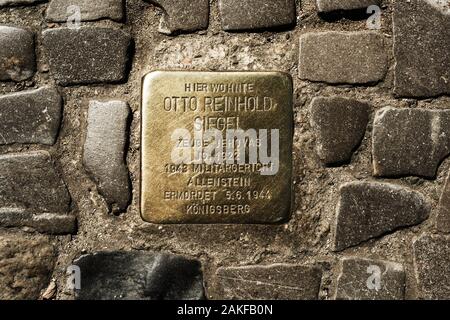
[{"x": 216, "y": 147}]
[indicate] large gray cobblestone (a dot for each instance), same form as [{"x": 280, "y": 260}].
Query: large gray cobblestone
[
  {"x": 409, "y": 141},
  {"x": 432, "y": 260},
  {"x": 343, "y": 57},
  {"x": 19, "y": 2},
  {"x": 32, "y": 116},
  {"x": 87, "y": 55},
  {"x": 183, "y": 15},
  {"x": 371, "y": 209},
  {"x": 369, "y": 279},
  {"x": 104, "y": 151},
  {"x": 279, "y": 281},
  {"x": 136, "y": 275},
  {"x": 17, "y": 56},
  {"x": 333, "y": 5},
  {"x": 421, "y": 42},
  {"x": 32, "y": 194},
  {"x": 57, "y": 10},
  {"x": 340, "y": 125},
  {"x": 256, "y": 14}
]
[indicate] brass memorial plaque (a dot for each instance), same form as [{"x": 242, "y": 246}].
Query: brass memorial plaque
[{"x": 216, "y": 147}]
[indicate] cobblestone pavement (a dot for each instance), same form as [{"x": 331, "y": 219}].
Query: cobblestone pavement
[{"x": 371, "y": 218}]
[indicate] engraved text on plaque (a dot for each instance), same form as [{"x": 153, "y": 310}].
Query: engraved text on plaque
[{"x": 216, "y": 147}]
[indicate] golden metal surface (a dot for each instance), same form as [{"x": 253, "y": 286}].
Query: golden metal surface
[{"x": 194, "y": 190}]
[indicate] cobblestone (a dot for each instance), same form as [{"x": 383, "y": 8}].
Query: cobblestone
[
  {"x": 443, "y": 218},
  {"x": 279, "y": 281},
  {"x": 421, "y": 42},
  {"x": 137, "y": 275},
  {"x": 87, "y": 55},
  {"x": 5, "y": 3},
  {"x": 410, "y": 141},
  {"x": 256, "y": 14},
  {"x": 43, "y": 201},
  {"x": 183, "y": 15},
  {"x": 340, "y": 124},
  {"x": 431, "y": 259},
  {"x": 17, "y": 56},
  {"x": 333, "y": 5},
  {"x": 57, "y": 10},
  {"x": 30, "y": 116},
  {"x": 343, "y": 57},
  {"x": 104, "y": 151},
  {"x": 368, "y": 210},
  {"x": 368, "y": 279}
]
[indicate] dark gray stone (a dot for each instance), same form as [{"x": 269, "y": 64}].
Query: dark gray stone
[
  {"x": 6, "y": 3},
  {"x": 87, "y": 55},
  {"x": 371, "y": 209},
  {"x": 30, "y": 116},
  {"x": 340, "y": 125},
  {"x": 26, "y": 265},
  {"x": 104, "y": 151},
  {"x": 256, "y": 14},
  {"x": 139, "y": 275},
  {"x": 333, "y": 5},
  {"x": 410, "y": 141},
  {"x": 421, "y": 48},
  {"x": 366, "y": 279},
  {"x": 183, "y": 15},
  {"x": 32, "y": 194},
  {"x": 17, "y": 57},
  {"x": 432, "y": 261},
  {"x": 343, "y": 57},
  {"x": 50, "y": 223},
  {"x": 278, "y": 281},
  {"x": 443, "y": 218},
  {"x": 89, "y": 10}
]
